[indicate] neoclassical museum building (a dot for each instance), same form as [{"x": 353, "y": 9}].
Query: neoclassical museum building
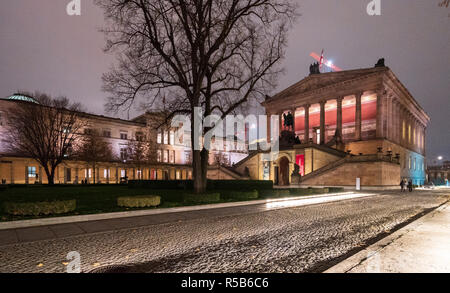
[
  {"x": 172, "y": 154},
  {"x": 356, "y": 125},
  {"x": 337, "y": 129}
]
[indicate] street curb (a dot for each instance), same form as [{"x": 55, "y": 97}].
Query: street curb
[
  {"x": 117, "y": 215},
  {"x": 362, "y": 256}
]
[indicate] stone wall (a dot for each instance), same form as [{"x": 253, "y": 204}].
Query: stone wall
[{"x": 371, "y": 173}]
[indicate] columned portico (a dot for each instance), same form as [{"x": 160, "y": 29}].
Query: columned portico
[
  {"x": 339, "y": 116},
  {"x": 307, "y": 123},
  {"x": 322, "y": 121},
  {"x": 358, "y": 118}
]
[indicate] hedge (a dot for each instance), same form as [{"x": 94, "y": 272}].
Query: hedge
[
  {"x": 275, "y": 193},
  {"x": 139, "y": 201},
  {"x": 202, "y": 198},
  {"x": 240, "y": 195},
  {"x": 40, "y": 208},
  {"x": 241, "y": 185}
]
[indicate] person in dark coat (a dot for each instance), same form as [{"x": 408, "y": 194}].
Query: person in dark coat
[
  {"x": 410, "y": 185},
  {"x": 402, "y": 185}
]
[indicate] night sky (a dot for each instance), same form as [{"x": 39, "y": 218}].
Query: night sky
[{"x": 44, "y": 49}]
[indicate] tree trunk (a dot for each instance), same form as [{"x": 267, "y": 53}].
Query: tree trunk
[
  {"x": 50, "y": 176},
  {"x": 93, "y": 173},
  {"x": 199, "y": 182}
]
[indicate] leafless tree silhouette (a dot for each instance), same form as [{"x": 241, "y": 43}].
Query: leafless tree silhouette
[
  {"x": 44, "y": 131},
  {"x": 93, "y": 149},
  {"x": 215, "y": 54}
]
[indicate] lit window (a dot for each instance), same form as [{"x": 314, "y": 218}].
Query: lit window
[
  {"x": 172, "y": 157},
  {"x": 31, "y": 172},
  {"x": 166, "y": 156},
  {"x": 178, "y": 175},
  {"x": 124, "y": 135},
  {"x": 409, "y": 133},
  {"x": 159, "y": 136},
  {"x": 88, "y": 173},
  {"x": 159, "y": 155},
  {"x": 172, "y": 138},
  {"x": 123, "y": 154},
  {"x": 166, "y": 137},
  {"x": 106, "y": 173}
]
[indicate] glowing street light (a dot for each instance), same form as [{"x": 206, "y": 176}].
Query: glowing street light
[{"x": 440, "y": 158}]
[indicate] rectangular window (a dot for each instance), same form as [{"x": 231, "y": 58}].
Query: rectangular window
[
  {"x": 106, "y": 133},
  {"x": 178, "y": 175},
  {"x": 106, "y": 173},
  {"x": 410, "y": 163},
  {"x": 139, "y": 136},
  {"x": 409, "y": 133},
  {"x": 159, "y": 137},
  {"x": 31, "y": 172},
  {"x": 123, "y": 173},
  {"x": 172, "y": 138},
  {"x": 123, "y": 153},
  {"x": 159, "y": 156},
  {"x": 166, "y": 156},
  {"x": 124, "y": 135},
  {"x": 166, "y": 137},
  {"x": 88, "y": 173},
  {"x": 172, "y": 157}
]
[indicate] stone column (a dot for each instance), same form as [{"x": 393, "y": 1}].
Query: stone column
[
  {"x": 389, "y": 128},
  {"x": 322, "y": 122},
  {"x": 358, "y": 118},
  {"x": 380, "y": 95},
  {"x": 339, "y": 116},
  {"x": 307, "y": 123}
]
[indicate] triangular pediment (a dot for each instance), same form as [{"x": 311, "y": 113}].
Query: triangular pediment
[{"x": 317, "y": 81}]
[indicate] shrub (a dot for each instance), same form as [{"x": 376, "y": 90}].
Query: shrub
[
  {"x": 162, "y": 184},
  {"x": 274, "y": 193},
  {"x": 241, "y": 185},
  {"x": 240, "y": 195},
  {"x": 40, "y": 208},
  {"x": 139, "y": 201},
  {"x": 202, "y": 198}
]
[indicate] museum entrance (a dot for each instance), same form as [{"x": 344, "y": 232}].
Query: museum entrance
[{"x": 283, "y": 178}]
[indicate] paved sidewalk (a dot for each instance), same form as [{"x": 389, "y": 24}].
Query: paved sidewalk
[
  {"x": 421, "y": 247},
  {"x": 54, "y": 228}
]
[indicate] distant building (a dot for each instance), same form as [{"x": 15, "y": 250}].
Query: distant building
[
  {"x": 351, "y": 124},
  {"x": 439, "y": 175},
  {"x": 173, "y": 157}
]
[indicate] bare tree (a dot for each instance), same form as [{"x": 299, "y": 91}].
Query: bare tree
[
  {"x": 44, "y": 131},
  {"x": 214, "y": 54},
  {"x": 93, "y": 149},
  {"x": 141, "y": 153}
]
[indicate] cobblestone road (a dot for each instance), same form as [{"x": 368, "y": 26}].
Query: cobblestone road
[{"x": 297, "y": 239}]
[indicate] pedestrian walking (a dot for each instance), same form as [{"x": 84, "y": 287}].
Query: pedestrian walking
[
  {"x": 402, "y": 185},
  {"x": 410, "y": 185}
]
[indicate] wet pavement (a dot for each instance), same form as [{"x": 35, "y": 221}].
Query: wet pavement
[{"x": 253, "y": 238}]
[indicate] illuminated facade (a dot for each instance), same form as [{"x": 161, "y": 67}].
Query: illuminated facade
[
  {"x": 173, "y": 157},
  {"x": 351, "y": 124}
]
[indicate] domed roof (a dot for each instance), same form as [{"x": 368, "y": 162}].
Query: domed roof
[{"x": 22, "y": 97}]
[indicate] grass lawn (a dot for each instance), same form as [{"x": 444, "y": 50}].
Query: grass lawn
[{"x": 103, "y": 198}]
